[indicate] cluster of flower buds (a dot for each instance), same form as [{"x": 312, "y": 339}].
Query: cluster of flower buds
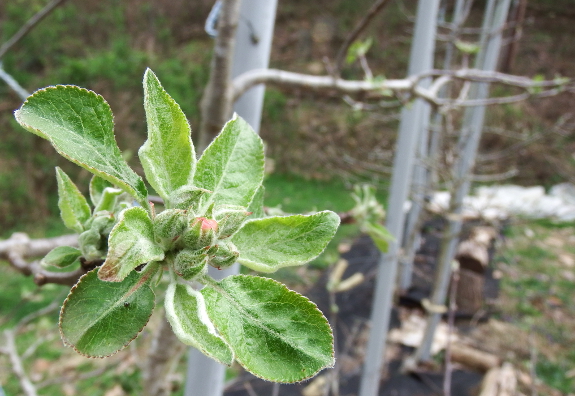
[
  {"x": 198, "y": 241},
  {"x": 93, "y": 241}
]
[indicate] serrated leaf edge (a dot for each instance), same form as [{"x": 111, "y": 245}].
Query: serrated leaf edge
[
  {"x": 125, "y": 186},
  {"x": 220, "y": 136},
  {"x": 147, "y": 143},
  {"x": 64, "y": 198},
  {"x": 325, "y": 321},
  {"x": 262, "y": 267},
  {"x": 68, "y": 344}
]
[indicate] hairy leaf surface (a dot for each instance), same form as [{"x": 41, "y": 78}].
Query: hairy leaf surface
[
  {"x": 186, "y": 311},
  {"x": 274, "y": 242},
  {"x": 130, "y": 244},
  {"x": 168, "y": 156},
  {"x": 232, "y": 166},
  {"x": 257, "y": 204},
  {"x": 80, "y": 126},
  {"x": 97, "y": 187},
  {"x": 99, "y": 318},
  {"x": 61, "y": 256},
  {"x": 74, "y": 208},
  {"x": 275, "y": 333}
]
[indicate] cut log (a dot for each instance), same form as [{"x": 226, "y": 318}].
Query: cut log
[
  {"x": 473, "y": 253},
  {"x": 469, "y": 298},
  {"x": 473, "y": 358}
]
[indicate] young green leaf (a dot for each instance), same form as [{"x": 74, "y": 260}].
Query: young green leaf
[
  {"x": 257, "y": 204},
  {"x": 168, "y": 156},
  {"x": 274, "y": 242},
  {"x": 80, "y": 126},
  {"x": 97, "y": 187},
  {"x": 130, "y": 244},
  {"x": 61, "y": 256},
  {"x": 74, "y": 208},
  {"x": 232, "y": 166},
  {"x": 186, "y": 312},
  {"x": 380, "y": 235},
  {"x": 108, "y": 199},
  {"x": 275, "y": 333},
  {"x": 100, "y": 318}
]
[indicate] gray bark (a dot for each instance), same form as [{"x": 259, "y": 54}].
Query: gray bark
[{"x": 216, "y": 104}]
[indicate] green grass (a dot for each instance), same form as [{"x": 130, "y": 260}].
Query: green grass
[
  {"x": 537, "y": 298},
  {"x": 295, "y": 194},
  {"x": 555, "y": 374}
]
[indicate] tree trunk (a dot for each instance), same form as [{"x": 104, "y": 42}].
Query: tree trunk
[{"x": 216, "y": 104}]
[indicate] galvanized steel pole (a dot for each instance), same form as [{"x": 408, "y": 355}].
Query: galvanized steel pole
[{"x": 421, "y": 60}]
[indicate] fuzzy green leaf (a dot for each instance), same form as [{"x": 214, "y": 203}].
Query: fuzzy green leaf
[
  {"x": 274, "y": 242},
  {"x": 168, "y": 156},
  {"x": 232, "y": 166},
  {"x": 275, "y": 333},
  {"x": 61, "y": 256},
  {"x": 97, "y": 187},
  {"x": 257, "y": 204},
  {"x": 99, "y": 318},
  {"x": 130, "y": 244},
  {"x": 80, "y": 126},
  {"x": 108, "y": 199},
  {"x": 380, "y": 235},
  {"x": 74, "y": 208},
  {"x": 186, "y": 311}
]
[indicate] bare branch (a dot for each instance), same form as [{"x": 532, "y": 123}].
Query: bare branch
[
  {"x": 407, "y": 86},
  {"x": 13, "y": 84},
  {"x": 20, "y": 242},
  {"x": 19, "y": 246},
  {"x": 36, "y": 314},
  {"x": 496, "y": 177},
  {"x": 314, "y": 83},
  {"x": 367, "y": 18},
  {"x": 17, "y": 367},
  {"x": 31, "y": 350},
  {"x": 25, "y": 29}
]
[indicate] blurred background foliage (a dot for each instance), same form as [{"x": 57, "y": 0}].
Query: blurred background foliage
[{"x": 106, "y": 45}]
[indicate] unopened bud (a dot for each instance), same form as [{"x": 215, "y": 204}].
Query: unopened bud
[
  {"x": 187, "y": 197},
  {"x": 90, "y": 242},
  {"x": 202, "y": 233},
  {"x": 225, "y": 255},
  {"x": 169, "y": 225},
  {"x": 230, "y": 218},
  {"x": 103, "y": 222},
  {"x": 190, "y": 264}
]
